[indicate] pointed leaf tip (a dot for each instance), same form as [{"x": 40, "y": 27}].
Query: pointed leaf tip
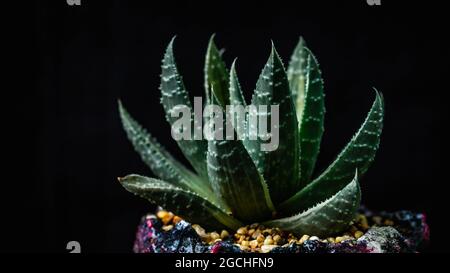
[
  {"x": 169, "y": 48},
  {"x": 216, "y": 74},
  {"x": 173, "y": 39},
  {"x": 211, "y": 39},
  {"x": 174, "y": 93},
  {"x": 233, "y": 65},
  {"x": 379, "y": 95},
  {"x": 301, "y": 43},
  {"x": 273, "y": 50},
  {"x": 272, "y": 88},
  {"x": 308, "y": 95},
  {"x": 236, "y": 96},
  {"x": 158, "y": 159}
]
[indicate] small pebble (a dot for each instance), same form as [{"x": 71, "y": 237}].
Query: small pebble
[
  {"x": 314, "y": 238},
  {"x": 242, "y": 238},
  {"x": 303, "y": 239},
  {"x": 167, "y": 218},
  {"x": 267, "y": 231},
  {"x": 224, "y": 234},
  {"x": 260, "y": 238},
  {"x": 161, "y": 214},
  {"x": 167, "y": 228},
  {"x": 343, "y": 238},
  {"x": 268, "y": 240},
  {"x": 176, "y": 219},
  {"x": 242, "y": 230},
  {"x": 243, "y": 248},
  {"x": 244, "y": 243},
  {"x": 207, "y": 238},
  {"x": 363, "y": 222},
  {"x": 200, "y": 231},
  {"x": 267, "y": 248},
  {"x": 256, "y": 234},
  {"x": 214, "y": 235},
  {"x": 253, "y": 244},
  {"x": 358, "y": 234},
  {"x": 276, "y": 238}
]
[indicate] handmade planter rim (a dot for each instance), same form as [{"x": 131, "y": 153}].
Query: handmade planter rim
[{"x": 409, "y": 234}]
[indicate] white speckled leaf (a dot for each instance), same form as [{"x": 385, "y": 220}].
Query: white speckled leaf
[
  {"x": 236, "y": 96},
  {"x": 297, "y": 72},
  {"x": 158, "y": 159},
  {"x": 173, "y": 94},
  {"x": 236, "y": 180},
  {"x": 280, "y": 168},
  {"x": 216, "y": 74},
  {"x": 308, "y": 93},
  {"x": 312, "y": 119},
  {"x": 359, "y": 153},
  {"x": 327, "y": 218},
  {"x": 236, "y": 99},
  {"x": 188, "y": 205}
]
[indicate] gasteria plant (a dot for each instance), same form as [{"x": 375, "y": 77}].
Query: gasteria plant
[{"x": 235, "y": 182}]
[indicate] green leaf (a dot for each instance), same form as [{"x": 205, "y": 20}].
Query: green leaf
[
  {"x": 174, "y": 94},
  {"x": 236, "y": 180},
  {"x": 280, "y": 168},
  {"x": 237, "y": 100},
  {"x": 216, "y": 74},
  {"x": 306, "y": 84},
  {"x": 236, "y": 96},
  {"x": 188, "y": 205},
  {"x": 359, "y": 153},
  {"x": 311, "y": 119},
  {"x": 327, "y": 218},
  {"x": 158, "y": 159},
  {"x": 297, "y": 72}
]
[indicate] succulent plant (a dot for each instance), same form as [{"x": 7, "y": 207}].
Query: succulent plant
[{"x": 234, "y": 182}]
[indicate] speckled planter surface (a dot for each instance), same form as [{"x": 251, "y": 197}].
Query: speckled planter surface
[{"x": 410, "y": 233}]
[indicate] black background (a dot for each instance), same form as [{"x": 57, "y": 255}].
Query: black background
[{"x": 88, "y": 56}]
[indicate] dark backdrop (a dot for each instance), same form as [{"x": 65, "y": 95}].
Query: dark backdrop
[{"x": 88, "y": 56}]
